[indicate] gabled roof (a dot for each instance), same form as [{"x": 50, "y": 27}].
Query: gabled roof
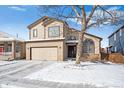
[
  {"x": 94, "y": 36},
  {"x": 116, "y": 31},
  {"x": 7, "y": 37},
  {"x": 46, "y": 20},
  {"x": 85, "y": 33}
]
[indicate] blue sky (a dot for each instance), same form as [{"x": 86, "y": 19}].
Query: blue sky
[{"x": 15, "y": 19}]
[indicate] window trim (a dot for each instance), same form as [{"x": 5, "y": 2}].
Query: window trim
[
  {"x": 49, "y": 30},
  {"x": 35, "y": 34}
]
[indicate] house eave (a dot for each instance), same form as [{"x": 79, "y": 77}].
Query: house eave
[
  {"x": 10, "y": 39},
  {"x": 43, "y": 18},
  {"x": 71, "y": 41},
  {"x": 45, "y": 40},
  {"x": 73, "y": 29}
]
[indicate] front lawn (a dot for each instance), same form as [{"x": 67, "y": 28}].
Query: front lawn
[{"x": 97, "y": 74}]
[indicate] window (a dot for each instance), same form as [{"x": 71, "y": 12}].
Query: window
[
  {"x": 9, "y": 48},
  {"x": 88, "y": 46},
  {"x": 115, "y": 37},
  {"x": 35, "y": 33},
  {"x": 18, "y": 47},
  {"x": 120, "y": 32},
  {"x": 71, "y": 37},
  {"x": 54, "y": 31}
]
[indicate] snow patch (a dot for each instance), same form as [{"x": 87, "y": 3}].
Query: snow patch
[
  {"x": 9, "y": 86},
  {"x": 2, "y": 63},
  {"x": 98, "y": 74}
]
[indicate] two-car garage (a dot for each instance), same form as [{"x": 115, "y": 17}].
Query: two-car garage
[
  {"x": 44, "y": 53},
  {"x": 52, "y": 50}
]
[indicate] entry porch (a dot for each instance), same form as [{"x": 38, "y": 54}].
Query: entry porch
[
  {"x": 89, "y": 50},
  {"x": 10, "y": 50}
]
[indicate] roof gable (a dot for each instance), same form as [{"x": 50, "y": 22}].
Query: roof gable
[
  {"x": 7, "y": 37},
  {"x": 46, "y": 20},
  {"x": 72, "y": 29}
]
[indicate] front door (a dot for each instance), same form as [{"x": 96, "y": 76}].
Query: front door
[{"x": 72, "y": 51}]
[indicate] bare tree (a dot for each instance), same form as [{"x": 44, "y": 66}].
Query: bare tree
[{"x": 97, "y": 15}]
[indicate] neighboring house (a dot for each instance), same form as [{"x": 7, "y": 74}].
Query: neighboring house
[
  {"x": 52, "y": 39},
  {"x": 116, "y": 41},
  {"x": 10, "y": 47}
]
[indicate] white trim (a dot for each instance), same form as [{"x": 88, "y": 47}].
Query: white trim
[
  {"x": 72, "y": 41},
  {"x": 45, "y": 39},
  {"x": 35, "y": 34},
  {"x": 7, "y": 39},
  {"x": 10, "y": 39}
]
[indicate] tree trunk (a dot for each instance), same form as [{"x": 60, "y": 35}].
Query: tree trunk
[
  {"x": 81, "y": 36},
  {"x": 79, "y": 47}
]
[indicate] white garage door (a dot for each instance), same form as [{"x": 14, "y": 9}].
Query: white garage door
[{"x": 44, "y": 53}]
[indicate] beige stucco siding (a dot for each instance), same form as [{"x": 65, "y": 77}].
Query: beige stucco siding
[
  {"x": 23, "y": 50},
  {"x": 50, "y": 44},
  {"x": 71, "y": 33},
  {"x": 95, "y": 40},
  {"x": 40, "y": 32},
  {"x": 44, "y": 41},
  {"x": 65, "y": 50}
]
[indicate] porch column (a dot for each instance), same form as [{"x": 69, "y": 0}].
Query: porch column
[{"x": 13, "y": 49}]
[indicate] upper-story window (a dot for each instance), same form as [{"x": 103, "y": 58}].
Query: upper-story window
[
  {"x": 120, "y": 32},
  {"x": 71, "y": 37},
  {"x": 35, "y": 33},
  {"x": 115, "y": 37},
  {"x": 54, "y": 31}
]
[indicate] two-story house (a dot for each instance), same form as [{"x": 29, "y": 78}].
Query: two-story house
[
  {"x": 116, "y": 41},
  {"x": 53, "y": 39}
]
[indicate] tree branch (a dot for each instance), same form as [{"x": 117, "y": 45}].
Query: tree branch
[
  {"x": 70, "y": 16},
  {"x": 83, "y": 18},
  {"x": 105, "y": 11},
  {"x": 91, "y": 25},
  {"x": 76, "y": 12},
  {"x": 91, "y": 14}
]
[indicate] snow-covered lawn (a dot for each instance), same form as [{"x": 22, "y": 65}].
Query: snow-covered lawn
[
  {"x": 98, "y": 74},
  {"x": 8, "y": 86},
  {"x": 3, "y": 63}
]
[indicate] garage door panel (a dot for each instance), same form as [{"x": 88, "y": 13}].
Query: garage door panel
[{"x": 44, "y": 53}]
